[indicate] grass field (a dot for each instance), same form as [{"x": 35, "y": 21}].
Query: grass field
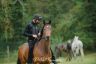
[{"x": 90, "y": 58}]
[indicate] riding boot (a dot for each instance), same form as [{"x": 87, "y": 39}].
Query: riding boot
[
  {"x": 30, "y": 54},
  {"x": 53, "y": 58}
]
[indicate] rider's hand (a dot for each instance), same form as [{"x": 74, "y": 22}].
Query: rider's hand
[{"x": 35, "y": 36}]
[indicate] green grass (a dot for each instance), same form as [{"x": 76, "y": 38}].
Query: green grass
[
  {"x": 88, "y": 59},
  {"x": 11, "y": 60}
]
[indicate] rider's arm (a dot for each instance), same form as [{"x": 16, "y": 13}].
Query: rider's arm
[{"x": 27, "y": 31}]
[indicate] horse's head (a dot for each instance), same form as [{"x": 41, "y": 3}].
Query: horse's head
[
  {"x": 46, "y": 32},
  {"x": 76, "y": 38}
]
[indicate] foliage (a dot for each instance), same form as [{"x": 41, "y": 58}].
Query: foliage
[{"x": 69, "y": 18}]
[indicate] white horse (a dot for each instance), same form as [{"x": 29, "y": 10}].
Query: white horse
[{"x": 77, "y": 47}]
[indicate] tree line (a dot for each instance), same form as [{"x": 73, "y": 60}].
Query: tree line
[{"x": 69, "y": 18}]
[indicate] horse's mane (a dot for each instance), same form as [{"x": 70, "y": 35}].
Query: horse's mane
[{"x": 42, "y": 31}]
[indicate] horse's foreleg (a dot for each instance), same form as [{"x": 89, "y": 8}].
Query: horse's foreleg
[
  {"x": 70, "y": 55},
  {"x": 74, "y": 53},
  {"x": 82, "y": 52},
  {"x": 57, "y": 54}
]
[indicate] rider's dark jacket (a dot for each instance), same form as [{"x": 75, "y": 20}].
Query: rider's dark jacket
[{"x": 31, "y": 29}]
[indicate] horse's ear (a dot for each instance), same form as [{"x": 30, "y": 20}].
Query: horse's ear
[
  {"x": 49, "y": 21},
  {"x": 44, "y": 22}
]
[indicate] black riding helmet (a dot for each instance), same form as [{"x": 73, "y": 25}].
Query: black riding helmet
[{"x": 37, "y": 16}]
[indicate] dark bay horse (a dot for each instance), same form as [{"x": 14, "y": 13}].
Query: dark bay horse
[
  {"x": 59, "y": 48},
  {"x": 42, "y": 53},
  {"x": 64, "y": 47}
]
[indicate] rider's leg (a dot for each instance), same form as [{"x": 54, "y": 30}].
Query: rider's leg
[{"x": 30, "y": 54}]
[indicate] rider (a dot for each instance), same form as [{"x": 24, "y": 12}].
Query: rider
[{"x": 32, "y": 32}]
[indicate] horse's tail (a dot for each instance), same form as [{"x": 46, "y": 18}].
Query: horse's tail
[{"x": 18, "y": 61}]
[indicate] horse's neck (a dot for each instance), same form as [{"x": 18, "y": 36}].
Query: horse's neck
[
  {"x": 75, "y": 40},
  {"x": 44, "y": 44},
  {"x": 78, "y": 43}
]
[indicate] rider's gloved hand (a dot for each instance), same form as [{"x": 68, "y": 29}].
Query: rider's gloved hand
[{"x": 35, "y": 36}]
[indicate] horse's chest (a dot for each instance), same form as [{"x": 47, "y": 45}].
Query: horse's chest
[
  {"x": 41, "y": 53},
  {"x": 42, "y": 57}
]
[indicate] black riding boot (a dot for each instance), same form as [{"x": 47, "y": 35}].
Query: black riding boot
[
  {"x": 30, "y": 54},
  {"x": 53, "y": 58}
]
